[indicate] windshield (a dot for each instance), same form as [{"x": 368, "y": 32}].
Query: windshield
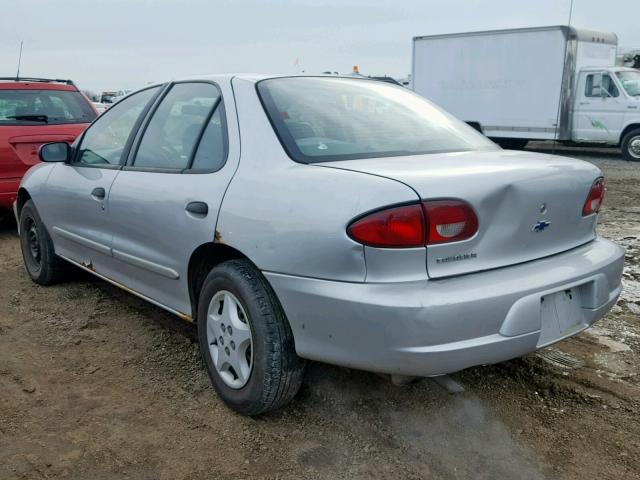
[
  {"x": 630, "y": 81},
  {"x": 327, "y": 119},
  {"x": 37, "y": 107}
]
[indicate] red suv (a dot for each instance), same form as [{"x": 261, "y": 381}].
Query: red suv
[{"x": 34, "y": 111}]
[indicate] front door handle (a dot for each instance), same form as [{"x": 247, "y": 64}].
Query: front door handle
[
  {"x": 98, "y": 192},
  {"x": 197, "y": 208}
]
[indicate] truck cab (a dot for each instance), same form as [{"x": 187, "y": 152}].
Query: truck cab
[{"x": 607, "y": 106}]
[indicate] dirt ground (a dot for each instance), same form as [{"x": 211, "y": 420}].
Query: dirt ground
[{"x": 96, "y": 384}]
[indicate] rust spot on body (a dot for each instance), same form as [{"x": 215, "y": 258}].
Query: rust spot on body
[
  {"x": 88, "y": 265},
  {"x": 217, "y": 237}
]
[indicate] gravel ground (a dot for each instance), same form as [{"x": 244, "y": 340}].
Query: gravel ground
[{"x": 97, "y": 384}]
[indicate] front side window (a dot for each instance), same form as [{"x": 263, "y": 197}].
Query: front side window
[
  {"x": 599, "y": 85},
  {"x": 44, "y": 107},
  {"x": 594, "y": 83},
  {"x": 327, "y": 119},
  {"x": 630, "y": 81},
  {"x": 105, "y": 140},
  {"x": 170, "y": 138}
]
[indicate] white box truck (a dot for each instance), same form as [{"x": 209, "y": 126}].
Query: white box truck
[{"x": 550, "y": 83}]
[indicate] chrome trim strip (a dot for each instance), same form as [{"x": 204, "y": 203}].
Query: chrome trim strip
[
  {"x": 146, "y": 264},
  {"x": 85, "y": 242},
  {"x": 183, "y": 316}
]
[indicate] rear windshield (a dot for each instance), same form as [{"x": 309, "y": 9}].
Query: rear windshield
[
  {"x": 328, "y": 119},
  {"x": 39, "y": 107}
]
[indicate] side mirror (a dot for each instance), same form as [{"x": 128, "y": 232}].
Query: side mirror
[{"x": 55, "y": 152}]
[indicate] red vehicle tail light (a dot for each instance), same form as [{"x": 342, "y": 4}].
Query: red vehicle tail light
[
  {"x": 449, "y": 221},
  {"x": 396, "y": 227},
  {"x": 595, "y": 198},
  {"x": 416, "y": 225}
]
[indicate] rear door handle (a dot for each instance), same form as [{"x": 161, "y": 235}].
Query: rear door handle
[
  {"x": 197, "y": 208},
  {"x": 98, "y": 192}
]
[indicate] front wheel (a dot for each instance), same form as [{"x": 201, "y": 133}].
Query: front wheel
[
  {"x": 631, "y": 146},
  {"x": 246, "y": 341},
  {"x": 42, "y": 264}
]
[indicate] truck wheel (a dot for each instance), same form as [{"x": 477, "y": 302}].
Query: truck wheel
[
  {"x": 631, "y": 146},
  {"x": 246, "y": 341},
  {"x": 511, "y": 143},
  {"x": 42, "y": 264}
]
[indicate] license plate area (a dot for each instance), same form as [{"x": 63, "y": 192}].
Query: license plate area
[{"x": 561, "y": 315}]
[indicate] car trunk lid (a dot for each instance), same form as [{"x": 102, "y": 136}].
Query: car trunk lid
[{"x": 528, "y": 205}]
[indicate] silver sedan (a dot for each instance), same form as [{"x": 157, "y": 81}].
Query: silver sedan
[{"x": 342, "y": 220}]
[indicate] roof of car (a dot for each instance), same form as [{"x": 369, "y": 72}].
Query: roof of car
[
  {"x": 256, "y": 77},
  {"x": 26, "y": 83},
  {"x": 251, "y": 77}
]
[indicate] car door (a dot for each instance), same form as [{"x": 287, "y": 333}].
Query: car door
[
  {"x": 76, "y": 212},
  {"x": 599, "y": 115},
  {"x": 165, "y": 201}
]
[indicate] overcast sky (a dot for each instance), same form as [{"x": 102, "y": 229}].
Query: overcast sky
[{"x": 115, "y": 44}]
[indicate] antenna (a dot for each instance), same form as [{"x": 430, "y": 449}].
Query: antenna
[
  {"x": 555, "y": 135},
  {"x": 570, "y": 13},
  {"x": 19, "y": 60}
]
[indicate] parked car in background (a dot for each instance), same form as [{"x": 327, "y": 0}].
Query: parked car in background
[
  {"x": 551, "y": 83},
  {"x": 34, "y": 111},
  {"x": 100, "y": 107},
  {"x": 342, "y": 220},
  {"x": 113, "y": 96}
]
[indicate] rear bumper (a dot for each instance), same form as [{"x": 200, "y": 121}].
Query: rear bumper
[
  {"x": 434, "y": 327},
  {"x": 8, "y": 192}
]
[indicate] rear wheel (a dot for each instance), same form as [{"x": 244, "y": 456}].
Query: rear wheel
[
  {"x": 631, "y": 146},
  {"x": 511, "y": 143},
  {"x": 42, "y": 264},
  {"x": 246, "y": 341}
]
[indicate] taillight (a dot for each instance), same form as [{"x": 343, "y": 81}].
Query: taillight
[
  {"x": 595, "y": 198},
  {"x": 416, "y": 225},
  {"x": 397, "y": 227},
  {"x": 449, "y": 221}
]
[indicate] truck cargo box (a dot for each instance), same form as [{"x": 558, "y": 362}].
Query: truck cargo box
[{"x": 516, "y": 83}]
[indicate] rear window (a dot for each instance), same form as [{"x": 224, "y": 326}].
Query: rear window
[
  {"x": 40, "y": 107},
  {"x": 329, "y": 119}
]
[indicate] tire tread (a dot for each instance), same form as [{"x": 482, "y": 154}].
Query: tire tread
[{"x": 284, "y": 370}]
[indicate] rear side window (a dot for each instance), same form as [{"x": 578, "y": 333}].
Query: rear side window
[
  {"x": 104, "y": 141},
  {"x": 170, "y": 138},
  {"x": 44, "y": 107},
  {"x": 213, "y": 148}
]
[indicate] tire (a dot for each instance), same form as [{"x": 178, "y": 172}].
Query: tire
[
  {"x": 42, "y": 264},
  {"x": 511, "y": 143},
  {"x": 274, "y": 372},
  {"x": 631, "y": 146}
]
